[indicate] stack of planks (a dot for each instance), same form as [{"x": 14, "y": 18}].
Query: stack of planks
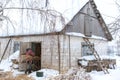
[{"x": 93, "y": 64}]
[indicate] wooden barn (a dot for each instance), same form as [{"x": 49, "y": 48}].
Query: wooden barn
[{"x": 56, "y": 40}]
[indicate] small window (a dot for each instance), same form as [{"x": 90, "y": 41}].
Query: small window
[
  {"x": 16, "y": 46},
  {"x": 86, "y": 51}
]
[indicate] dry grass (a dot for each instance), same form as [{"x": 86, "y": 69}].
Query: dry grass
[
  {"x": 23, "y": 77},
  {"x": 9, "y": 76}
]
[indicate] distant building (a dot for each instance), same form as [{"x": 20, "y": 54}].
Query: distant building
[
  {"x": 118, "y": 47},
  {"x": 111, "y": 50}
]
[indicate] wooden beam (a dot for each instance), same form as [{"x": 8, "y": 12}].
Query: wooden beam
[
  {"x": 30, "y": 35},
  {"x": 59, "y": 59},
  {"x": 5, "y": 49},
  {"x": 69, "y": 53}
]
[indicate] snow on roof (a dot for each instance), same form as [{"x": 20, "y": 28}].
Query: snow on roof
[
  {"x": 91, "y": 57},
  {"x": 82, "y": 35}
]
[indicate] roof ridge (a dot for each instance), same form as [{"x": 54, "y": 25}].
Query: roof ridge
[{"x": 101, "y": 20}]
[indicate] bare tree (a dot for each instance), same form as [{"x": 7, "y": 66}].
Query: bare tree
[
  {"x": 28, "y": 11},
  {"x": 115, "y": 25}
]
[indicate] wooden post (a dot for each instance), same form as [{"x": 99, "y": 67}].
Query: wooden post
[
  {"x": 59, "y": 53},
  {"x": 69, "y": 53},
  {"x": 5, "y": 49}
]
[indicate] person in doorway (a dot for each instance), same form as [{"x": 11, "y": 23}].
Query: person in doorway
[
  {"x": 30, "y": 52},
  {"x": 29, "y": 56}
]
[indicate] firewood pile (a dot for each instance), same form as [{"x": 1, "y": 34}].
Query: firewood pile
[
  {"x": 72, "y": 74},
  {"x": 14, "y": 61}
]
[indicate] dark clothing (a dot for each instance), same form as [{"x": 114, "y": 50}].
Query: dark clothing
[
  {"x": 29, "y": 54},
  {"x": 29, "y": 67}
]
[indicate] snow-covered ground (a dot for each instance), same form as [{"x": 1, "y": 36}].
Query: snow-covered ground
[
  {"x": 113, "y": 73},
  {"x": 7, "y": 63},
  {"x": 47, "y": 73}
]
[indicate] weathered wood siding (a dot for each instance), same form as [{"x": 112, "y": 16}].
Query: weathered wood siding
[{"x": 86, "y": 24}]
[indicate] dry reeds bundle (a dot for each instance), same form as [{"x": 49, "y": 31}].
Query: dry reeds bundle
[
  {"x": 9, "y": 76},
  {"x": 6, "y": 76},
  {"x": 23, "y": 77}
]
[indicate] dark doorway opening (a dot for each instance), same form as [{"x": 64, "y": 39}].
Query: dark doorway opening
[{"x": 36, "y": 47}]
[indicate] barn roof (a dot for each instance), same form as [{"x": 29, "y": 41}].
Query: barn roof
[
  {"x": 58, "y": 17},
  {"x": 100, "y": 19}
]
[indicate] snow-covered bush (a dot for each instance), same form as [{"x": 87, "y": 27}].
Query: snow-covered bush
[{"x": 72, "y": 74}]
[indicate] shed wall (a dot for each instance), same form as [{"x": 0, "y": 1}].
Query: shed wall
[
  {"x": 70, "y": 49},
  {"x": 71, "y": 52}
]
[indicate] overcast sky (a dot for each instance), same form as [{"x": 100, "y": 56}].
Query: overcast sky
[
  {"x": 68, "y": 8},
  {"x": 107, "y": 8}
]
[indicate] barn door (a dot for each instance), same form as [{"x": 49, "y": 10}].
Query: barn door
[
  {"x": 87, "y": 24},
  {"x": 36, "y": 47},
  {"x": 24, "y": 46}
]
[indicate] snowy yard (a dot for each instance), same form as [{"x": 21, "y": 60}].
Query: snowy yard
[{"x": 114, "y": 73}]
